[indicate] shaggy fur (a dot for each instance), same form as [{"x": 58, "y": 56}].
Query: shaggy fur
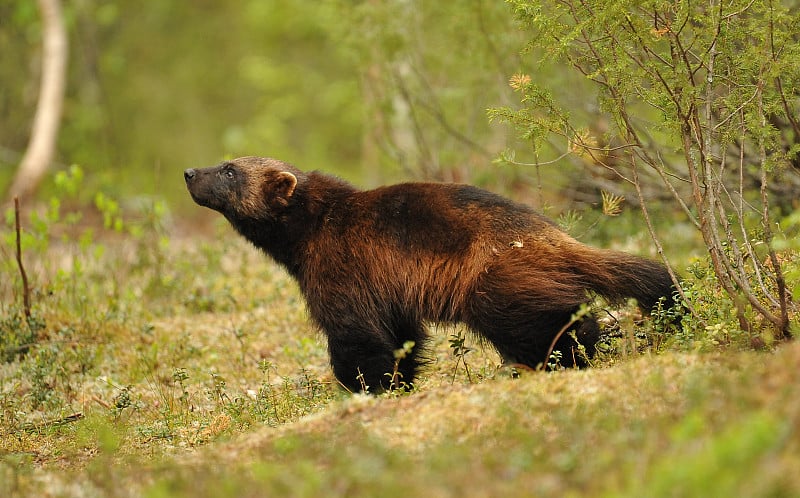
[{"x": 375, "y": 266}]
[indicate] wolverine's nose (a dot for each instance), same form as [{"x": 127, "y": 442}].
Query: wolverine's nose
[{"x": 189, "y": 174}]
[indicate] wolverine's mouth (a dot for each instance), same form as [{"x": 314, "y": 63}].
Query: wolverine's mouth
[
  {"x": 202, "y": 200},
  {"x": 196, "y": 198}
]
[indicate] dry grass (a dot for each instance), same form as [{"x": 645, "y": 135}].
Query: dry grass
[{"x": 672, "y": 425}]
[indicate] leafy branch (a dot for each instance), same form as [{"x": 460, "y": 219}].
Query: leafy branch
[{"x": 694, "y": 92}]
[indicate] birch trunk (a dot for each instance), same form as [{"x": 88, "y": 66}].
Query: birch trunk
[{"x": 44, "y": 131}]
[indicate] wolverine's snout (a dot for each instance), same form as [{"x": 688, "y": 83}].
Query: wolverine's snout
[{"x": 196, "y": 188}]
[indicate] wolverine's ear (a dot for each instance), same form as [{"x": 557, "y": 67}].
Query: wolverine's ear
[{"x": 286, "y": 182}]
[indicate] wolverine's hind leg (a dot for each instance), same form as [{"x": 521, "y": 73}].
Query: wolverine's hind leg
[
  {"x": 530, "y": 337},
  {"x": 577, "y": 342},
  {"x": 525, "y": 301}
]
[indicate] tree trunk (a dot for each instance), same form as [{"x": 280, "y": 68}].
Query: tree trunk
[{"x": 44, "y": 131}]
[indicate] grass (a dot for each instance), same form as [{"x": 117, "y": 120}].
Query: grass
[{"x": 156, "y": 365}]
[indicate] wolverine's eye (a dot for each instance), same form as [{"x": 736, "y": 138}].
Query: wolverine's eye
[{"x": 229, "y": 173}]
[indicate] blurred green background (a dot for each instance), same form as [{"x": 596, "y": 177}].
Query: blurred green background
[{"x": 372, "y": 91}]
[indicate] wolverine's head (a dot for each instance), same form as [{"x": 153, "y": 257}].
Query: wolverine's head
[{"x": 254, "y": 188}]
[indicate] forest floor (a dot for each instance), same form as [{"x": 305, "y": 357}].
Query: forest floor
[{"x": 195, "y": 372}]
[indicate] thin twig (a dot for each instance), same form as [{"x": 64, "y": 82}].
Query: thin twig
[
  {"x": 576, "y": 317},
  {"x": 53, "y": 423},
  {"x": 26, "y": 293},
  {"x": 537, "y": 164},
  {"x": 659, "y": 248}
]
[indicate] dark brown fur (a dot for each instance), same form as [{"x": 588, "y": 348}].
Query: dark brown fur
[{"x": 375, "y": 266}]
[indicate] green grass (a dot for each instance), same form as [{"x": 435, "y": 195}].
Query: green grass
[{"x": 156, "y": 365}]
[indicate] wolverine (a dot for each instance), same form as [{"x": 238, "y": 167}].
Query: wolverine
[{"x": 377, "y": 266}]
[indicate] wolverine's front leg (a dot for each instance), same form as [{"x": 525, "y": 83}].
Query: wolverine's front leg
[
  {"x": 361, "y": 360},
  {"x": 373, "y": 359}
]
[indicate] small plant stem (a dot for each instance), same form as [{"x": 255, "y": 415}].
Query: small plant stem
[
  {"x": 26, "y": 293},
  {"x": 556, "y": 338}
]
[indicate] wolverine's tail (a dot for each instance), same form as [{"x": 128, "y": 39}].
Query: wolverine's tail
[{"x": 619, "y": 276}]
